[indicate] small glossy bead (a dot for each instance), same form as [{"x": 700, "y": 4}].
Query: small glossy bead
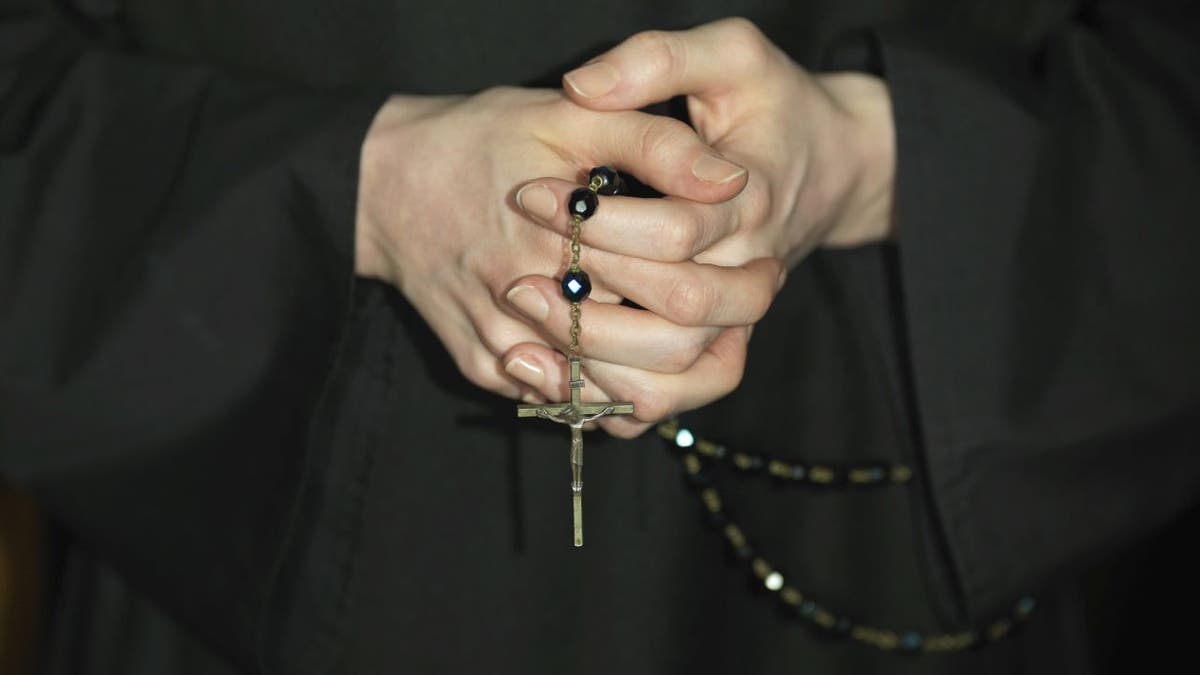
[
  {"x": 697, "y": 480},
  {"x": 717, "y": 519},
  {"x": 610, "y": 180},
  {"x": 774, "y": 581},
  {"x": 867, "y": 474},
  {"x": 1025, "y": 607},
  {"x": 684, "y": 438},
  {"x": 747, "y": 462},
  {"x": 911, "y": 641},
  {"x": 582, "y": 203},
  {"x": 743, "y": 552},
  {"x": 576, "y": 286}
]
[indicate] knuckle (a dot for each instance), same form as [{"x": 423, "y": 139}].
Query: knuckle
[
  {"x": 756, "y": 207},
  {"x": 731, "y": 370},
  {"x": 679, "y": 240},
  {"x": 732, "y": 377},
  {"x": 499, "y": 94},
  {"x": 658, "y": 49},
  {"x": 760, "y": 302},
  {"x": 759, "y": 293},
  {"x": 684, "y": 356},
  {"x": 658, "y": 135},
  {"x": 742, "y": 28},
  {"x": 689, "y": 301},
  {"x": 651, "y": 404},
  {"x": 747, "y": 43},
  {"x": 477, "y": 371}
]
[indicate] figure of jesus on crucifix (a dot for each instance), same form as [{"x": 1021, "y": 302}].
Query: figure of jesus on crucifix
[{"x": 575, "y": 413}]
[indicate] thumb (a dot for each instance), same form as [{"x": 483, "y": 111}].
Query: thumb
[{"x": 654, "y": 66}]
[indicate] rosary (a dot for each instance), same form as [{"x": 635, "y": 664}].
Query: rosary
[
  {"x": 696, "y": 451},
  {"x": 576, "y": 286}
]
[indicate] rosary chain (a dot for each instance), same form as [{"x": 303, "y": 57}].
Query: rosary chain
[
  {"x": 594, "y": 185},
  {"x": 575, "y": 329},
  {"x": 576, "y": 224}
]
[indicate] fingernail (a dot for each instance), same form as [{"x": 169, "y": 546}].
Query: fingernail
[
  {"x": 782, "y": 279},
  {"x": 592, "y": 80},
  {"x": 526, "y": 371},
  {"x": 538, "y": 201},
  {"x": 711, "y": 169},
  {"x": 530, "y": 302}
]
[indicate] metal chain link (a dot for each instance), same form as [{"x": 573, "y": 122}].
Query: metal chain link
[{"x": 576, "y": 223}]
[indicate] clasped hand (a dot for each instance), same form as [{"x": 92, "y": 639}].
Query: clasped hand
[{"x": 779, "y": 162}]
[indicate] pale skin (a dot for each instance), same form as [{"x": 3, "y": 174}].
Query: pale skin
[{"x": 780, "y": 162}]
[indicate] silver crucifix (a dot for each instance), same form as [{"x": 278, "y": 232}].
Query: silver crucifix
[{"x": 575, "y": 414}]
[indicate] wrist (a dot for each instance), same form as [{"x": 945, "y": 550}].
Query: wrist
[
  {"x": 869, "y": 148},
  {"x": 384, "y": 154}
]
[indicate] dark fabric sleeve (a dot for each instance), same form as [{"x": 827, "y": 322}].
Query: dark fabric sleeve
[
  {"x": 176, "y": 264},
  {"x": 1048, "y": 235}
]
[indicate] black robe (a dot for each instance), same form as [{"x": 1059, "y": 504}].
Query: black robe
[{"x": 251, "y": 460}]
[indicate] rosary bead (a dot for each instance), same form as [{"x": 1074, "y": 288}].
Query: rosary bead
[
  {"x": 576, "y": 286},
  {"x": 684, "y": 438},
  {"x": 697, "y": 480},
  {"x": 911, "y": 641},
  {"x": 609, "y": 180},
  {"x": 774, "y": 581},
  {"x": 743, "y": 552},
  {"x": 717, "y": 519},
  {"x": 874, "y": 473},
  {"x": 582, "y": 203},
  {"x": 747, "y": 462},
  {"x": 694, "y": 449},
  {"x": 1025, "y": 607}
]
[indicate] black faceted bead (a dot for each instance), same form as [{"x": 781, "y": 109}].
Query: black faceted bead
[
  {"x": 610, "y": 180},
  {"x": 582, "y": 203},
  {"x": 576, "y": 286}
]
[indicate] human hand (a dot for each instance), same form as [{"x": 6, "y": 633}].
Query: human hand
[
  {"x": 438, "y": 213},
  {"x": 819, "y": 148},
  {"x": 821, "y": 160}
]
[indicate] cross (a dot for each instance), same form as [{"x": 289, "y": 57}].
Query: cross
[{"x": 575, "y": 414}]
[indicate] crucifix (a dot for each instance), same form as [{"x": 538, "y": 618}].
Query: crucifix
[
  {"x": 575, "y": 287},
  {"x": 575, "y": 414}
]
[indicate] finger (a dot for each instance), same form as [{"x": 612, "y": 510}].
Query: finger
[
  {"x": 655, "y": 396},
  {"x": 654, "y": 66},
  {"x": 690, "y": 293},
  {"x": 667, "y": 229},
  {"x": 662, "y": 152},
  {"x": 612, "y": 333},
  {"x": 545, "y": 371}
]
